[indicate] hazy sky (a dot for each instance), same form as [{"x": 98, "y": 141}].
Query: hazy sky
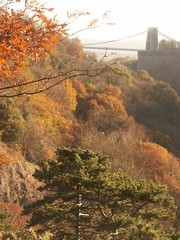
[{"x": 130, "y": 17}]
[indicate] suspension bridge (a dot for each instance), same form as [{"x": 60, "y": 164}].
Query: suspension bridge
[{"x": 151, "y": 42}]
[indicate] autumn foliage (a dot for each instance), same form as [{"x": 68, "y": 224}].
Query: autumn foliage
[
  {"x": 66, "y": 97},
  {"x": 160, "y": 165},
  {"x": 14, "y": 219},
  {"x": 4, "y": 158},
  {"x": 25, "y": 35}
]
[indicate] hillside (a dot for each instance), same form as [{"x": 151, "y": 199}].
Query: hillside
[
  {"x": 126, "y": 115},
  {"x": 67, "y": 98}
]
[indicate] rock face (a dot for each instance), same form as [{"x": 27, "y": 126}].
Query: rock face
[{"x": 17, "y": 185}]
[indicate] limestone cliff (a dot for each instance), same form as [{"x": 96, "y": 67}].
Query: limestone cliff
[{"x": 17, "y": 185}]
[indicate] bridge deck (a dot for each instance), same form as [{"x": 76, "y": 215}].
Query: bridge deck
[{"x": 112, "y": 48}]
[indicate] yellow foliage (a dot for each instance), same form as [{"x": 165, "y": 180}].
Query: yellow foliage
[
  {"x": 71, "y": 95},
  {"x": 46, "y": 112},
  {"x": 111, "y": 103},
  {"x": 49, "y": 120},
  {"x": 92, "y": 87}
]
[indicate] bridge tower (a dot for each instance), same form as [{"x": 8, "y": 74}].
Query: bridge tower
[{"x": 152, "y": 39}]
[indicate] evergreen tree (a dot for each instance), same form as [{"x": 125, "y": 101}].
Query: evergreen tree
[
  {"x": 8, "y": 233},
  {"x": 72, "y": 182},
  {"x": 85, "y": 200},
  {"x": 136, "y": 210},
  {"x": 4, "y": 216}
]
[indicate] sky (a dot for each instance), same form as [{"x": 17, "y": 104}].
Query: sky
[{"x": 128, "y": 17}]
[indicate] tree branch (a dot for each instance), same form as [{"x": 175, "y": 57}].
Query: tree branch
[
  {"x": 105, "y": 216},
  {"x": 90, "y": 73}
]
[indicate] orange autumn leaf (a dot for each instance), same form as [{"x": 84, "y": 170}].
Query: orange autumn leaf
[
  {"x": 93, "y": 22},
  {"x": 4, "y": 158},
  {"x": 23, "y": 37}
]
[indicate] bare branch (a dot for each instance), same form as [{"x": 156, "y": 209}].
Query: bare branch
[
  {"x": 102, "y": 212},
  {"x": 91, "y": 73}
]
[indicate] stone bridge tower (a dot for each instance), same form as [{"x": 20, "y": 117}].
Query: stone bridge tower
[{"x": 152, "y": 39}]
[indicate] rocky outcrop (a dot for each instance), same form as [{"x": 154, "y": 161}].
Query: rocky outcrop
[{"x": 17, "y": 185}]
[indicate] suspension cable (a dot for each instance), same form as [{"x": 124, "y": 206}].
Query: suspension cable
[
  {"x": 116, "y": 40},
  {"x": 167, "y": 37}
]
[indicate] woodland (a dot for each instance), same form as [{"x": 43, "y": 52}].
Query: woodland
[{"x": 89, "y": 149}]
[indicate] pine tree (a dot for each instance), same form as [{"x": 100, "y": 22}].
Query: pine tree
[
  {"x": 85, "y": 200},
  {"x": 136, "y": 210},
  {"x": 72, "y": 182}
]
